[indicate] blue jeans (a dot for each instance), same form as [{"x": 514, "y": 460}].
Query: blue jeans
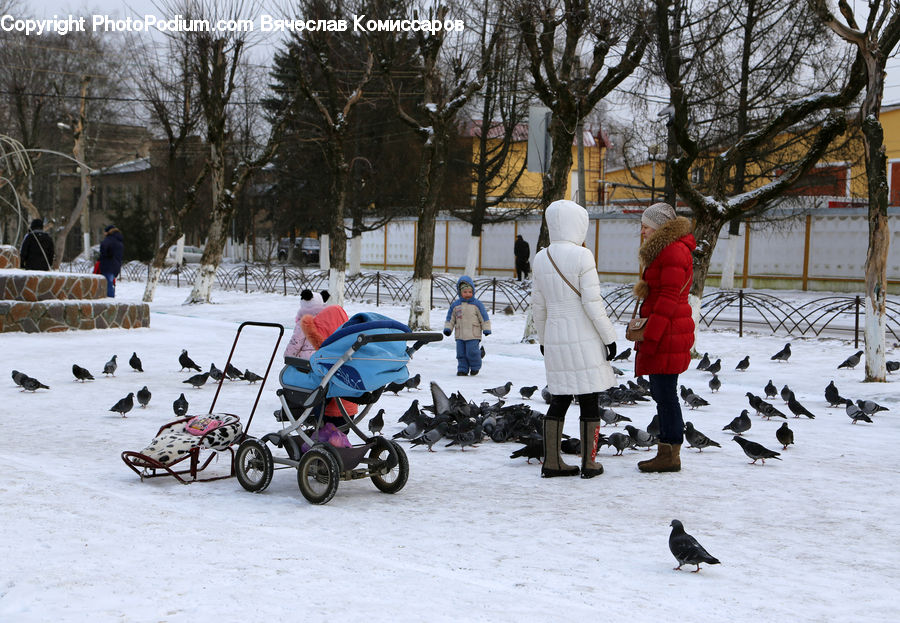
[
  {"x": 468, "y": 355},
  {"x": 110, "y": 285},
  {"x": 664, "y": 390}
]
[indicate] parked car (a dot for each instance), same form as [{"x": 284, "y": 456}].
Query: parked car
[
  {"x": 191, "y": 254},
  {"x": 306, "y": 250}
]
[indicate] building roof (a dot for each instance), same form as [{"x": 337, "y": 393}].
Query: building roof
[
  {"x": 129, "y": 166},
  {"x": 473, "y": 127}
]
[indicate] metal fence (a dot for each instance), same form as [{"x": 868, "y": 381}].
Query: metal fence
[{"x": 836, "y": 314}]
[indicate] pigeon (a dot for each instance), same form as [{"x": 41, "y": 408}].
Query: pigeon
[
  {"x": 785, "y": 436},
  {"x": 412, "y": 430},
  {"x": 892, "y": 366},
  {"x": 534, "y": 449},
  {"x": 31, "y": 384},
  {"x": 852, "y": 361},
  {"x": 232, "y": 372},
  {"x": 468, "y": 438},
  {"x": 432, "y": 436},
  {"x": 180, "y": 406},
  {"x": 124, "y": 405},
  {"x": 684, "y": 392},
  {"x": 619, "y": 441},
  {"x": 696, "y": 439},
  {"x": 715, "y": 367},
  {"x": 740, "y": 424},
  {"x": 755, "y": 451},
  {"x": 856, "y": 414},
  {"x": 618, "y": 371},
  {"x": 572, "y": 445},
  {"x": 527, "y": 392},
  {"x": 215, "y": 373},
  {"x": 743, "y": 364},
  {"x": 694, "y": 401},
  {"x": 18, "y": 376},
  {"x": 686, "y": 549},
  {"x": 413, "y": 382},
  {"x": 135, "y": 363},
  {"x": 623, "y": 356},
  {"x": 653, "y": 426},
  {"x": 869, "y": 407},
  {"x": 412, "y": 414},
  {"x": 546, "y": 395},
  {"x": 640, "y": 438},
  {"x": 715, "y": 383},
  {"x": 110, "y": 366},
  {"x": 377, "y": 423},
  {"x": 499, "y": 392},
  {"x": 783, "y": 355},
  {"x": 770, "y": 389},
  {"x": 832, "y": 396},
  {"x": 755, "y": 401},
  {"x": 703, "y": 364},
  {"x": 396, "y": 388},
  {"x": 143, "y": 396},
  {"x": 81, "y": 374},
  {"x": 644, "y": 383},
  {"x": 611, "y": 417},
  {"x": 187, "y": 362},
  {"x": 798, "y": 409},
  {"x": 198, "y": 380},
  {"x": 768, "y": 410},
  {"x": 251, "y": 377},
  {"x": 786, "y": 393}
]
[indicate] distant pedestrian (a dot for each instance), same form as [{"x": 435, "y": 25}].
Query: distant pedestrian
[
  {"x": 468, "y": 317},
  {"x": 522, "y": 251},
  {"x": 37, "y": 248},
  {"x": 111, "y": 250},
  {"x": 666, "y": 269}
]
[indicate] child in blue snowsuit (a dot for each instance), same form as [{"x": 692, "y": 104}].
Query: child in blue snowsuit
[{"x": 468, "y": 317}]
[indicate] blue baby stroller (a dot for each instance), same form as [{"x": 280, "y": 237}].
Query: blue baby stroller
[{"x": 354, "y": 363}]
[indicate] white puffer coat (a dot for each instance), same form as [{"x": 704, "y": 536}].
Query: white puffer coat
[{"x": 572, "y": 329}]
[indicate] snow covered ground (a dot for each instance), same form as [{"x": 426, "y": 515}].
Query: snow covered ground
[{"x": 474, "y": 536}]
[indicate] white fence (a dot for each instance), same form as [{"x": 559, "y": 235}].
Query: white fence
[{"x": 824, "y": 249}]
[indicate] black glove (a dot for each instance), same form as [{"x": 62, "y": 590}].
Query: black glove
[
  {"x": 610, "y": 351},
  {"x": 542, "y": 350},
  {"x": 447, "y": 332}
]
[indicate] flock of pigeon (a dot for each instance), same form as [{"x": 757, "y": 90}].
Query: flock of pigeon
[{"x": 124, "y": 405}]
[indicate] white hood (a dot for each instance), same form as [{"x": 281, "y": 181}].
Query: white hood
[{"x": 566, "y": 221}]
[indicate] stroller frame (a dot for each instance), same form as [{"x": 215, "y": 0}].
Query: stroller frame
[
  {"x": 322, "y": 466},
  {"x": 148, "y": 467}
]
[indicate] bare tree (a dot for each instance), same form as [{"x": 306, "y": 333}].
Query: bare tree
[
  {"x": 782, "y": 130},
  {"x": 612, "y": 35},
  {"x": 875, "y": 42},
  {"x": 451, "y": 74}
]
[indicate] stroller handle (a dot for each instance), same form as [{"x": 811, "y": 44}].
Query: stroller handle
[{"x": 421, "y": 339}]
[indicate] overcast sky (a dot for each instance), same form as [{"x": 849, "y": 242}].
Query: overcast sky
[{"x": 123, "y": 8}]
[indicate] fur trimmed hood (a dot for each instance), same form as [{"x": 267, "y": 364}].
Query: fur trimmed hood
[
  {"x": 317, "y": 328},
  {"x": 654, "y": 245}
]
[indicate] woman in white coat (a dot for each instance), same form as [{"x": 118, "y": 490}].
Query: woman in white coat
[{"x": 576, "y": 336}]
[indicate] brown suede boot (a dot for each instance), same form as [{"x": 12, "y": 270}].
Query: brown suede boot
[
  {"x": 667, "y": 459},
  {"x": 589, "y": 466},
  {"x": 553, "y": 464}
]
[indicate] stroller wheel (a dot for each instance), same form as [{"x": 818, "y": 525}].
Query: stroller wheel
[
  {"x": 318, "y": 475},
  {"x": 395, "y": 478},
  {"x": 254, "y": 465}
]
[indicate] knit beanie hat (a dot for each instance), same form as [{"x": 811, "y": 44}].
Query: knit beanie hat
[
  {"x": 658, "y": 215},
  {"x": 37, "y": 224}
]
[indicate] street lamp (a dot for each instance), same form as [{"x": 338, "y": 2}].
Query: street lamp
[{"x": 652, "y": 154}]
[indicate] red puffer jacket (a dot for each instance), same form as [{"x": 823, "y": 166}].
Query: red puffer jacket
[{"x": 667, "y": 258}]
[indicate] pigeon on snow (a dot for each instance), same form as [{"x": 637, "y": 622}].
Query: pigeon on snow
[
  {"x": 31, "y": 384},
  {"x": 743, "y": 364},
  {"x": 198, "y": 380},
  {"x": 180, "y": 406},
  {"x": 135, "y": 363},
  {"x": 832, "y": 396},
  {"x": 856, "y": 414},
  {"x": 527, "y": 392},
  {"x": 143, "y": 396},
  {"x": 715, "y": 367},
  {"x": 251, "y": 377},
  {"x": 696, "y": 439},
  {"x": 755, "y": 451},
  {"x": 798, "y": 409},
  {"x": 783, "y": 355},
  {"x": 703, "y": 364},
  {"x": 499, "y": 392},
  {"x": 686, "y": 549},
  {"x": 377, "y": 423},
  {"x": 187, "y": 362},
  {"x": 124, "y": 405},
  {"x": 770, "y": 389},
  {"x": 110, "y": 366},
  {"x": 852, "y": 361},
  {"x": 739, "y": 425},
  {"x": 81, "y": 374},
  {"x": 785, "y": 436}
]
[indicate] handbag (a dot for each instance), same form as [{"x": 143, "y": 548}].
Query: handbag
[{"x": 634, "y": 332}]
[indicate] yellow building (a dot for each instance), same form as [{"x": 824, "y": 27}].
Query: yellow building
[{"x": 528, "y": 188}]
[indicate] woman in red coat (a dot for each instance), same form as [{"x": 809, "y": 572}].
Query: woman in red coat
[{"x": 666, "y": 256}]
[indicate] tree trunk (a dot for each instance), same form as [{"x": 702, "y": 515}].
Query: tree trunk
[
  {"x": 557, "y": 177},
  {"x": 472, "y": 255},
  {"x": 336, "y": 280},
  {"x": 324, "y": 252},
  {"x": 879, "y": 245},
  {"x": 356, "y": 254},
  {"x": 337, "y": 253},
  {"x": 706, "y": 232},
  {"x": 734, "y": 242},
  {"x": 223, "y": 207}
]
